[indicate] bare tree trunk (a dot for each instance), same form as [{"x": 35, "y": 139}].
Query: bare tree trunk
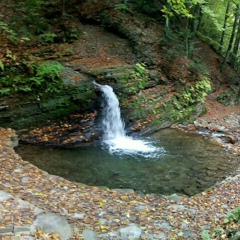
[
  {"x": 63, "y": 8},
  {"x": 233, "y": 35},
  {"x": 234, "y": 58},
  {"x": 224, "y": 25},
  {"x": 167, "y": 23},
  {"x": 195, "y": 22}
]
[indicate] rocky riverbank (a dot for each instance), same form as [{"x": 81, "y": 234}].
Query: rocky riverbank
[{"x": 30, "y": 197}]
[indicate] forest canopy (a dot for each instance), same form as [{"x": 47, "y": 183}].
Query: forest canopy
[{"x": 216, "y": 22}]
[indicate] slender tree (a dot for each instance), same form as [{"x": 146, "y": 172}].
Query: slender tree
[
  {"x": 234, "y": 58},
  {"x": 233, "y": 35},
  {"x": 225, "y": 25}
]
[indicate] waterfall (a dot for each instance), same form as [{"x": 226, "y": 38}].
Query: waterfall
[
  {"x": 114, "y": 135},
  {"x": 113, "y": 126}
]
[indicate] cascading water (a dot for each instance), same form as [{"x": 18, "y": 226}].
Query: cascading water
[
  {"x": 113, "y": 126},
  {"x": 114, "y": 135}
]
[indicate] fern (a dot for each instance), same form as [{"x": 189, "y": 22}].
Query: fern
[{"x": 49, "y": 70}]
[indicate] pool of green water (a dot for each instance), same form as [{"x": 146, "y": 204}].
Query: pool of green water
[{"x": 184, "y": 163}]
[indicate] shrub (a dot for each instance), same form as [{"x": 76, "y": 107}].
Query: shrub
[{"x": 44, "y": 78}]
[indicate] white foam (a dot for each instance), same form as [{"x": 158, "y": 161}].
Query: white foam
[
  {"x": 114, "y": 136},
  {"x": 129, "y": 146}
]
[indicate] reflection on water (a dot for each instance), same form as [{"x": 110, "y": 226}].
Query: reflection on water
[{"x": 189, "y": 164}]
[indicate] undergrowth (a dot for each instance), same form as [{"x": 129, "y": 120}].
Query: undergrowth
[
  {"x": 229, "y": 229},
  {"x": 183, "y": 104},
  {"x": 40, "y": 79}
]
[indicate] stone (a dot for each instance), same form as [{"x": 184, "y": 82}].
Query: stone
[
  {"x": 190, "y": 191},
  {"x": 21, "y": 229},
  {"x": 174, "y": 197},
  {"x": 5, "y": 196},
  {"x": 89, "y": 235},
  {"x": 53, "y": 223},
  {"x": 165, "y": 225},
  {"x": 130, "y": 232},
  {"x": 6, "y": 230},
  {"x": 189, "y": 234},
  {"x": 123, "y": 190},
  {"x": 78, "y": 215}
]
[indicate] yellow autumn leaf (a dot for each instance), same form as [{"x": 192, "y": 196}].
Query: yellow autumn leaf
[{"x": 103, "y": 227}]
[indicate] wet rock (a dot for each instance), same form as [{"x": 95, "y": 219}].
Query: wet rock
[
  {"x": 53, "y": 223},
  {"x": 130, "y": 232},
  {"x": 189, "y": 234},
  {"x": 174, "y": 197},
  {"x": 230, "y": 139},
  {"x": 165, "y": 225},
  {"x": 215, "y": 140},
  {"x": 212, "y": 168},
  {"x": 89, "y": 235},
  {"x": 190, "y": 191},
  {"x": 201, "y": 183},
  {"x": 123, "y": 190},
  {"x": 210, "y": 173},
  {"x": 222, "y": 168}
]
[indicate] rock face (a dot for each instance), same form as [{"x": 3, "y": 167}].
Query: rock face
[
  {"x": 24, "y": 111},
  {"x": 145, "y": 96}
]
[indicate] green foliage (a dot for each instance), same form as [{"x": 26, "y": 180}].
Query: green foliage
[
  {"x": 174, "y": 7},
  {"x": 122, "y": 7},
  {"x": 28, "y": 19},
  {"x": 148, "y": 7},
  {"x": 197, "y": 66},
  {"x": 138, "y": 111},
  {"x": 11, "y": 35},
  {"x": 230, "y": 97},
  {"x": 45, "y": 79},
  {"x": 48, "y": 77},
  {"x": 183, "y": 104},
  {"x": 225, "y": 232},
  {"x": 196, "y": 93},
  {"x": 212, "y": 23},
  {"x": 48, "y": 37},
  {"x": 233, "y": 216},
  {"x": 206, "y": 235},
  {"x": 179, "y": 42},
  {"x": 69, "y": 35},
  {"x": 140, "y": 75},
  {"x": 136, "y": 80}
]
